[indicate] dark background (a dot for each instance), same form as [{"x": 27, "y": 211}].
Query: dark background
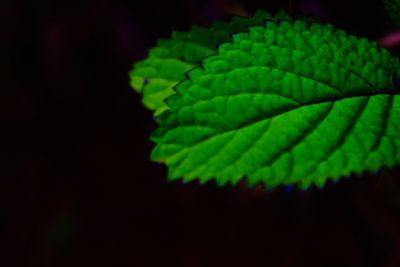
[{"x": 77, "y": 187}]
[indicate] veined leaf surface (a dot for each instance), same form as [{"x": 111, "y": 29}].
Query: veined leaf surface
[
  {"x": 167, "y": 63},
  {"x": 287, "y": 102}
]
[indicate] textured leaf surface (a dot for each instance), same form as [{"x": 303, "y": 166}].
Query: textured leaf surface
[
  {"x": 156, "y": 76},
  {"x": 287, "y": 102},
  {"x": 393, "y": 9}
]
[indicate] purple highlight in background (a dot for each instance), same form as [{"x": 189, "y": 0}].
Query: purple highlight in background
[{"x": 390, "y": 40}]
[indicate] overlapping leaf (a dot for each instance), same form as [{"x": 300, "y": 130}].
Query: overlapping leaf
[
  {"x": 286, "y": 102},
  {"x": 393, "y": 9},
  {"x": 155, "y": 76}
]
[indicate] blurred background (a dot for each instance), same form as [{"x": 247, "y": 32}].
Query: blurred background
[{"x": 77, "y": 187}]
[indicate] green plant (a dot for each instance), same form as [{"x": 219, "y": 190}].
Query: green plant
[{"x": 283, "y": 102}]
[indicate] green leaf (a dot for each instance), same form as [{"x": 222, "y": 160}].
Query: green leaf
[
  {"x": 287, "y": 102},
  {"x": 167, "y": 63},
  {"x": 393, "y": 9}
]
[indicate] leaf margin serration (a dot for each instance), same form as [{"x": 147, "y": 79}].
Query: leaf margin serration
[
  {"x": 139, "y": 84},
  {"x": 156, "y": 135}
]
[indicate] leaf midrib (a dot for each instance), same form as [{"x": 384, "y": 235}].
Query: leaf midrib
[{"x": 278, "y": 114}]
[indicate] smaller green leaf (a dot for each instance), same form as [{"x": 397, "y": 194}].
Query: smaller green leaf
[
  {"x": 393, "y": 9},
  {"x": 167, "y": 63},
  {"x": 155, "y": 80}
]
